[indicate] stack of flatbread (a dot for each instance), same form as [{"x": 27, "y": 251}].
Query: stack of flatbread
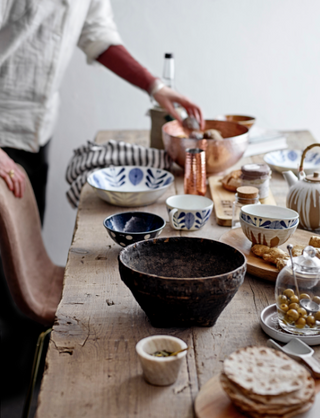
[{"x": 263, "y": 382}]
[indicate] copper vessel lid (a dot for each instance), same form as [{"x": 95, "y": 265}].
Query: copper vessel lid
[
  {"x": 255, "y": 171},
  {"x": 315, "y": 177},
  {"x": 247, "y": 192}
]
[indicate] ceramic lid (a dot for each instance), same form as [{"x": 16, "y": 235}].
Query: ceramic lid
[
  {"x": 315, "y": 177},
  {"x": 308, "y": 262},
  {"x": 255, "y": 171}
]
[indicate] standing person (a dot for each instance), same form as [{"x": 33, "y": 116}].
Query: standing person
[{"x": 37, "y": 39}]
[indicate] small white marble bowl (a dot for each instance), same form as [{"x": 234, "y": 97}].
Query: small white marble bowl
[{"x": 160, "y": 371}]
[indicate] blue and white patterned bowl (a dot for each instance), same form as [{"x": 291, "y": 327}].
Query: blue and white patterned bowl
[
  {"x": 128, "y": 227},
  {"x": 289, "y": 159},
  {"x": 269, "y": 216},
  {"x": 188, "y": 212},
  {"x": 130, "y": 186}
]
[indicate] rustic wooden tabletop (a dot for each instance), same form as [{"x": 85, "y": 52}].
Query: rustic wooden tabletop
[{"x": 92, "y": 368}]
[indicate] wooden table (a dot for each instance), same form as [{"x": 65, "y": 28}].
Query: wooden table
[{"x": 92, "y": 368}]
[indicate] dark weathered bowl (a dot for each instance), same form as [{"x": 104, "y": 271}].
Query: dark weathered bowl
[{"x": 181, "y": 281}]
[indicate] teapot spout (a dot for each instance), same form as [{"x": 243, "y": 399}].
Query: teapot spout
[{"x": 290, "y": 177}]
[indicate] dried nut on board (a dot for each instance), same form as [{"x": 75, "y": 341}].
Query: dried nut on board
[
  {"x": 263, "y": 382},
  {"x": 232, "y": 181},
  {"x": 279, "y": 257}
]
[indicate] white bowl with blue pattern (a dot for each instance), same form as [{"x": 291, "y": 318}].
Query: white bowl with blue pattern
[
  {"x": 290, "y": 159},
  {"x": 130, "y": 186},
  {"x": 269, "y": 216},
  {"x": 188, "y": 212}
]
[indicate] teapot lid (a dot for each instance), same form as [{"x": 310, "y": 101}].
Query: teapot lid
[
  {"x": 315, "y": 177},
  {"x": 308, "y": 262}
]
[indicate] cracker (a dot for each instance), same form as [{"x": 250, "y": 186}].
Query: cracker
[
  {"x": 315, "y": 241},
  {"x": 264, "y": 371}
]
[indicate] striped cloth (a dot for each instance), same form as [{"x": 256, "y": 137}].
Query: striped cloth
[{"x": 91, "y": 157}]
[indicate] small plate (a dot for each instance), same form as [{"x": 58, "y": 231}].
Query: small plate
[
  {"x": 289, "y": 159},
  {"x": 270, "y": 325}
]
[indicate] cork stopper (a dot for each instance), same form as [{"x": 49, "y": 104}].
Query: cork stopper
[{"x": 247, "y": 192}]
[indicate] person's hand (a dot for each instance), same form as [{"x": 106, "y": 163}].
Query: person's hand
[
  {"x": 166, "y": 98},
  {"x": 12, "y": 175}
]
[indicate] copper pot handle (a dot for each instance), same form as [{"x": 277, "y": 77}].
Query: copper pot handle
[{"x": 304, "y": 154}]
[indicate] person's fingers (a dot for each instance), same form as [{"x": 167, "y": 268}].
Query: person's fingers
[
  {"x": 7, "y": 179},
  {"x": 171, "y": 109}
]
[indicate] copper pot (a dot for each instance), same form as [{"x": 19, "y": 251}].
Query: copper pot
[{"x": 220, "y": 155}]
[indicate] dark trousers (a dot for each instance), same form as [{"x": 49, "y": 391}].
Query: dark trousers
[{"x": 36, "y": 166}]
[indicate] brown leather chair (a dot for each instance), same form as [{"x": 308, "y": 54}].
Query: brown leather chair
[{"x": 34, "y": 281}]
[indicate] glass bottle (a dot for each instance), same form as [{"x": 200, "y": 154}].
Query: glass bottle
[
  {"x": 297, "y": 294},
  {"x": 246, "y": 195},
  {"x": 168, "y": 69}
]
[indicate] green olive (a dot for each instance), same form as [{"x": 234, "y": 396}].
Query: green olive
[
  {"x": 284, "y": 307},
  {"x": 293, "y": 314},
  {"x": 317, "y": 316},
  {"x": 294, "y": 299},
  {"x": 295, "y": 306},
  {"x": 304, "y": 296},
  {"x": 316, "y": 299},
  {"x": 289, "y": 293},
  {"x": 311, "y": 320},
  {"x": 302, "y": 312},
  {"x": 300, "y": 323},
  {"x": 282, "y": 299}
]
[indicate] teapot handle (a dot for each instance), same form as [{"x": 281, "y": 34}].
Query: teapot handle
[{"x": 301, "y": 171}]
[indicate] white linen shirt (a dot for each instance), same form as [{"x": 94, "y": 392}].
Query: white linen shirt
[{"x": 37, "y": 39}]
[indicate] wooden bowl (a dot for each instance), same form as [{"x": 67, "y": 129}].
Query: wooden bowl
[
  {"x": 220, "y": 155},
  {"x": 181, "y": 281},
  {"x": 247, "y": 121}
]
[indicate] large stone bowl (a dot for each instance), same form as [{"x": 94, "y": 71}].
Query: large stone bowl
[
  {"x": 181, "y": 281},
  {"x": 220, "y": 155}
]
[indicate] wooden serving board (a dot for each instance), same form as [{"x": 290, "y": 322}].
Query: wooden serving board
[
  {"x": 223, "y": 200},
  {"x": 256, "y": 265},
  {"x": 213, "y": 402}
]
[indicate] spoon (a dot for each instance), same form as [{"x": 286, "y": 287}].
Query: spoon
[
  {"x": 298, "y": 350},
  {"x": 309, "y": 305},
  {"x": 289, "y": 248}
]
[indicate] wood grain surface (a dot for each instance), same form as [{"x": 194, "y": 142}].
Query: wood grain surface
[
  {"x": 256, "y": 265},
  {"x": 92, "y": 369}
]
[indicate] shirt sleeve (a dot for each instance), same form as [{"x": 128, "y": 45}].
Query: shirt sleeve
[{"x": 99, "y": 30}]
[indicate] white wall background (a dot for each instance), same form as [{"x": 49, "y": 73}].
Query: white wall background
[{"x": 259, "y": 57}]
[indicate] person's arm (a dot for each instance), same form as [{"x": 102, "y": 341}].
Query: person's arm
[
  {"x": 117, "y": 59},
  {"x": 12, "y": 175}
]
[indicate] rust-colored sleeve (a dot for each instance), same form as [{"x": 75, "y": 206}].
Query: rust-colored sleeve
[{"x": 117, "y": 59}]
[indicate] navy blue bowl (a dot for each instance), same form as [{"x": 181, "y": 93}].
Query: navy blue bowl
[{"x": 125, "y": 228}]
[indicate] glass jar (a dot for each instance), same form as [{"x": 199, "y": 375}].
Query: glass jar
[
  {"x": 245, "y": 196},
  {"x": 297, "y": 294},
  {"x": 257, "y": 175}
]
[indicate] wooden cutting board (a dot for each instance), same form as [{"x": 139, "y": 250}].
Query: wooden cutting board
[
  {"x": 256, "y": 265},
  {"x": 212, "y": 402},
  {"x": 223, "y": 200}
]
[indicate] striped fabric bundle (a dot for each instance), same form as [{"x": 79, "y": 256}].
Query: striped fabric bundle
[{"x": 91, "y": 157}]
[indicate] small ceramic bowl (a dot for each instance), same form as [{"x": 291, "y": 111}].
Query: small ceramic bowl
[
  {"x": 188, "y": 212},
  {"x": 269, "y": 216},
  {"x": 247, "y": 121},
  {"x": 160, "y": 371},
  {"x": 125, "y": 228},
  {"x": 269, "y": 237},
  {"x": 130, "y": 186}
]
